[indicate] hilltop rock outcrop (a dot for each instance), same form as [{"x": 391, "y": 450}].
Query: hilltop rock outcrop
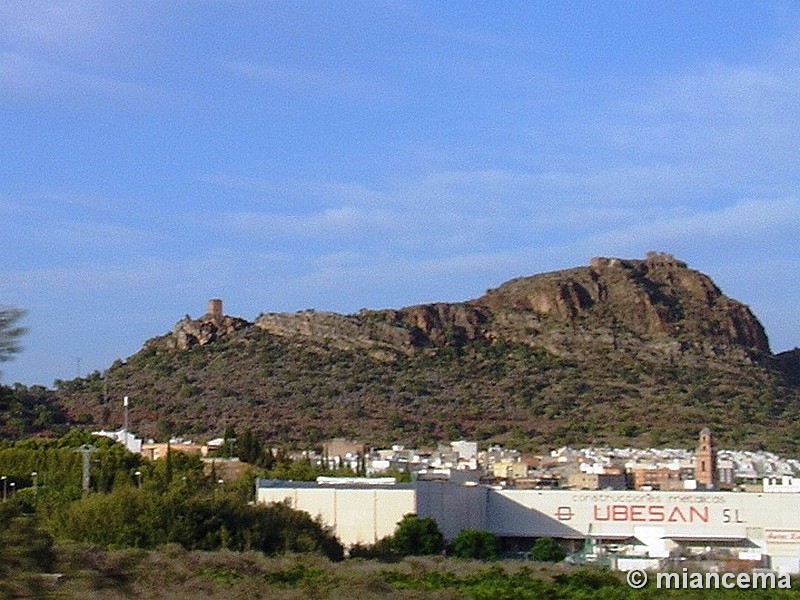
[
  {"x": 344, "y": 331},
  {"x": 651, "y": 299},
  {"x": 189, "y": 332},
  {"x": 657, "y": 303}
]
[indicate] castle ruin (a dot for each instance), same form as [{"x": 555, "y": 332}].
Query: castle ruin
[{"x": 215, "y": 309}]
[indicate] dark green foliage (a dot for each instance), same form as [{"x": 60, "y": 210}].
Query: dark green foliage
[
  {"x": 547, "y": 550},
  {"x": 494, "y": 583},
  {"x": 58, "y": 466},
  {"x": 498, "y": 583},
  {"x": 282, "y": 467},
  {"x": 415, "y": 536},
  {"x": 474, "y": 543},
  {"x": 23, "y": 546},
  {"x": 170, "y": 501},
  {"x": 25, "y": 410},
  {"x": 588, "y": 579},
  {"x": 131, "y": 518},
  {"x": 382, "y": 550},
  {"x": 295, "y": 575},
  {"x": 25, "y": 550},
  {"x": 168, "y": 572},
  {"x": 250, "y": 449}
]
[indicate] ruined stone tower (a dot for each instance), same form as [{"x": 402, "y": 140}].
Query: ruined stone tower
[
  {"x": 705, "y": 461},
  {"x": 215, "y": 309}
]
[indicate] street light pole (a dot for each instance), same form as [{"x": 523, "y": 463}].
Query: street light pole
[
  {"x": 5, "y": 483},
  {"x": 35, "y": 477}
]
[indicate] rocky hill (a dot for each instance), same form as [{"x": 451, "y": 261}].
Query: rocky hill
[{"x": 620, "y": 351}]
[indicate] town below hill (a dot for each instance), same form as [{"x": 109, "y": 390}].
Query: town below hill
[{"x": 463, "y": 462}]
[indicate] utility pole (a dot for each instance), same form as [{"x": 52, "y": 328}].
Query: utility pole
[{"x": 86, "y": 450}]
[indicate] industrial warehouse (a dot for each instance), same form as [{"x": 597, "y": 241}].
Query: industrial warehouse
[{"x": 629, "y": 529}]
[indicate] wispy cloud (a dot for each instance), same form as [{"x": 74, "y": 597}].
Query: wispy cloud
[
  {"x": 345, "y": 221},
  {"x": 248, "y": 184},
  {"x": 9, "y": 206},
  {"x": 68, "y": 229},
  {"x": 80, "y": 281},
  {"x": 76, "y": 234},
  {"x": 313, "y": 83},
  {"x": 83, "y": 201},
  {"x": 28, "y": 78},
  {"x": 726, "y": 90},
  {"x": 768, "y": 223},
  {"x": 732, "y": 123},
  {"x": 438, "y": 211},
  {"x": 337, "y": 192},
  {"x": 62, "y": 24}
]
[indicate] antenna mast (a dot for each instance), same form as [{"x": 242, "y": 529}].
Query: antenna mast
[{"x": 125, "y": 426}]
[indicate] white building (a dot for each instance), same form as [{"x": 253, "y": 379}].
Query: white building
[
  {"x": 359, "y": 513},
  {"x": 784, "y": 483},
  {"x": 466, "y": 450},
  {"x": 126, "y": 438},
  {"x": 762, "y": 528}
]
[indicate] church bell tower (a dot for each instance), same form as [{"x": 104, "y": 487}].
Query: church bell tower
[{"x": 705, "y": 461}]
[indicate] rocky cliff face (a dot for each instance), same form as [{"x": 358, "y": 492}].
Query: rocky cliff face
[
  {"x": 789, "y": 363},
  {"x": 657, "y": 302},
  {"x": 347, "y": 332},
  {"x": 651, "y": 299}
]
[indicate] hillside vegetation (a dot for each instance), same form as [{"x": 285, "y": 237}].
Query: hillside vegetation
[{"x": 634, "y": 352}]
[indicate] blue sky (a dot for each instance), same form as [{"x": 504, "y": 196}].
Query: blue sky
[{"x": 341, "y": 155}]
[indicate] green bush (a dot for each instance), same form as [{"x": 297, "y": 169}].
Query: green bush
[
  {"x": 413, "y": 536},
  {"x": 382, "y": 550},
  {"x": 474, "y": 543},
  {"x": 416, "y": 536},
  {"x": 547, "y": 550}
]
